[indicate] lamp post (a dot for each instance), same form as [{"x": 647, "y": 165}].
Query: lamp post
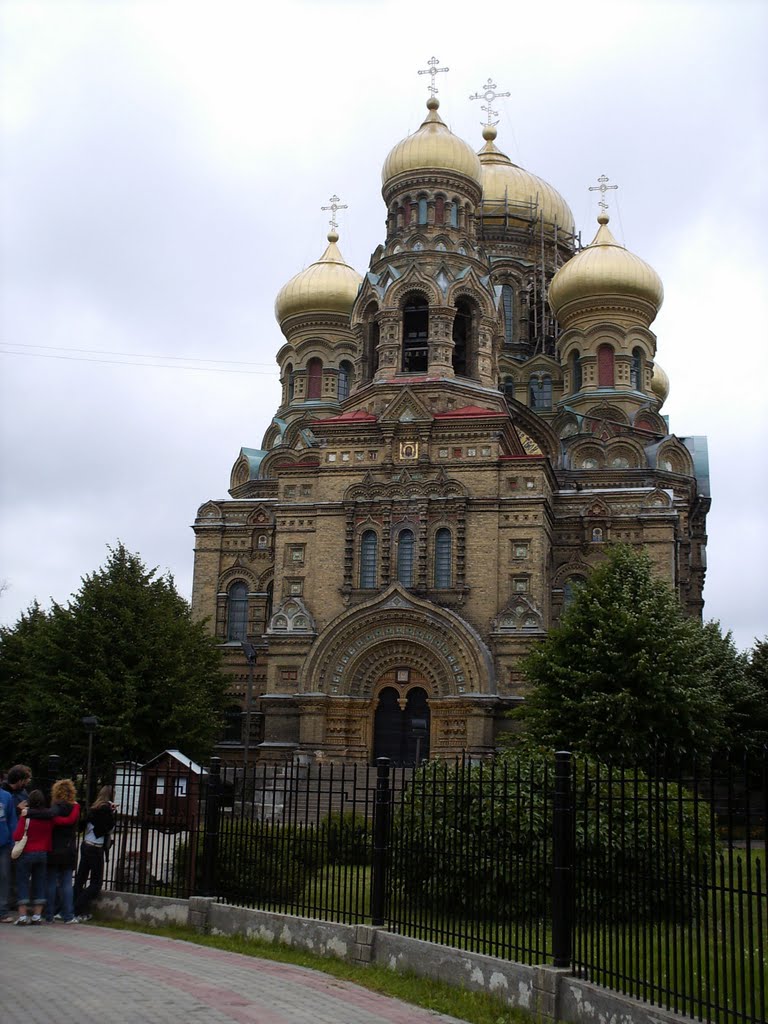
[{"x": 90, "y": 723}]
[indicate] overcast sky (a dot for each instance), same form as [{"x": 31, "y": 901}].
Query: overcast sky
[{"x": 163, "y": 166}]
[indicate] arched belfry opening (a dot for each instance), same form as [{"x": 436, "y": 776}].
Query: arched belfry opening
[
  {"x": 401, "y": 726},
  {"x": 415, "y": 335}
]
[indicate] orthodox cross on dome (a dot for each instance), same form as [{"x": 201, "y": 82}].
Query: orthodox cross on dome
[
  {"x": 602, "y": 188},
  {"x": 489, "y": 94},
  {"x": 433, "y": 70},
  {"x": 335, "y": 205}
]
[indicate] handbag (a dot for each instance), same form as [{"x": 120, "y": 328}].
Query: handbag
[{"x": 18, "y": 846}]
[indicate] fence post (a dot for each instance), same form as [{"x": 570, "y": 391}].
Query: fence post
[
  {"x": 381, "y": 820},
  {"x": 562, "y": 860},
  {"x": 211, "y": 834}
]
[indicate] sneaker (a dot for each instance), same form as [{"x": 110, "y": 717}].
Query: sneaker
[
  {"x": 57, "y": 917},
  {"x": 22, "y": 920},
  {"x": 84, "y": 917},
  {"x": 36, "y": 919},
  {"x": 72, "y": 920}
]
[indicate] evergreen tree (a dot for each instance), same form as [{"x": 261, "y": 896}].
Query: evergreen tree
[
  {"x": 126, "y": 650},
  {"x": 626, "y": 674}
]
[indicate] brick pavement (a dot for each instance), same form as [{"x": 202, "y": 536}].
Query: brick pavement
[{"x": 81, "y": 974}]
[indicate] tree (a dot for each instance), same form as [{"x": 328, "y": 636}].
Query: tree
[
  {"x": 126, "y": 650},
  {"x": 626, "y": 673}
]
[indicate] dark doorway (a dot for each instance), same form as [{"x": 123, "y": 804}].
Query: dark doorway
[{"x": 402, "y": 735}]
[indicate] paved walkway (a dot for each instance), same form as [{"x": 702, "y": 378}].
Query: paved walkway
[{"x": 82, "y": 974}]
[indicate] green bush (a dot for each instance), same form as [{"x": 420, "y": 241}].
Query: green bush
[
  {"x": 475, "y": 840},
  {"x": 349, "y": 838}
]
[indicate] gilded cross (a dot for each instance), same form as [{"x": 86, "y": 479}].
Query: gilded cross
[
  {"x": 489, "y": 94},
  {"x": 433, "y": 70},
  {"x": 602, "y": 188},
  {"x": 335, "y": 205}
]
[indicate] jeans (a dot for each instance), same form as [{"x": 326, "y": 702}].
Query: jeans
[
  {"x": 30, "y": 874},
  {"x": 60, "y": 879},
  {"x": 5, "y": 878},
  {"x": 91, "y": 864}
]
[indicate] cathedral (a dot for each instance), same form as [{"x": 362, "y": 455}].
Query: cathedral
[{"x": 460, "y": 432}]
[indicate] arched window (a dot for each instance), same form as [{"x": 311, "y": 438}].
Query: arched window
[
  {"x": 454, "y": 214},
  {"x": 314, "y": 378},
  {"x": 605, "y": 377},
  {"x": 439, "y": 210},
  {"x": 575, "y": 372},
  {"x": 233, "y": 725},
  {"x": 570, "y": 587},
  {"x": 443, "y": 559},
  {"x": 597, "y": 535},
  {"x": 237, "y": 611},
  {"x": 289, "y": 381},
  {"x": 508, "y": 386},
  {"x": 405, "y": 558},
  {"x": 415, "y": 333},
  {"x": 369, "y": 556},
  {"x": 540, "y": 392},
  {"x": 345, "y": 378},
  {"x": 636, "y": 369},
  {"x": 422, "y": 209},
  {"x": 508, "y": 306},
  {"x": 462, "y": 339}
]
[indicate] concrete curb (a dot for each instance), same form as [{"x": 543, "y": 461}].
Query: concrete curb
[{"x": 550, "y": 993}]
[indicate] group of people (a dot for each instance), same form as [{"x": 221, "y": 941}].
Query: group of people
[{"x": 50, "y": 884}]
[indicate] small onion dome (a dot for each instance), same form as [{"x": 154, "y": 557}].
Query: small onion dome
[
  {"x": 659, "y": 383},
  {"x": 605, "y": 269},
  {"x": 327, "y": 286},
  {"x": 507, "y": 188},
  {"x": 432, "y": 147}
]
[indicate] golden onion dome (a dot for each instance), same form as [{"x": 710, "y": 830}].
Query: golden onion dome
[
  {"x": 432, "y": 147},
  {"x": 606, "y": 268},
  {"x": 327, "y": 286},
  {"x": 659, "y": 383},
  {"x": 508, "y": 188}
]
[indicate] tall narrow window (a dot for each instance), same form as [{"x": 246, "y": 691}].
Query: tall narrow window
[
  {"x": 508, "y": 306},
  {"x": 575, "y": 372},
  {"x": 233, "y": 725},
  {"x": 540, "y": 392},
  {"x": 345, "y": 377},
  {"x": 636, "y": 369},
  {"x": 508, "y": 387},
  {"x": 369, "y": 553},
  {"x": 314, "y": 378},
  {"x": 422, "y": 210},
  {"x": 570, "y": 587},
  {"x": 405, "y": 558},
  {"x": 289, "y": 381},
  {"x": 415, "y": 333},
  {"x": 443, "y": 559},
  {"x": 605, "y": 378},
  {"x": 237, "y": 611},
  {"x": 454, "y": 214},
  {"x": 462, "y": 339},
  {"x": 439, "y": 210}
]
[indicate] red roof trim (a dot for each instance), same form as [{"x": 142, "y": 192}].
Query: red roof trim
[{"x": 470, "y": 410}]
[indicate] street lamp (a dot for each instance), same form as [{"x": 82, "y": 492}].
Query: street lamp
[{"x": 90, "y": 723}]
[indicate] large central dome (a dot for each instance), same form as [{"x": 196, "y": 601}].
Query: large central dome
[
  {"x": 432, "y": 147},
  {"x": 509, "y": 190}
]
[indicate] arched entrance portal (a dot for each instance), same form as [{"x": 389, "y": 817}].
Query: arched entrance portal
[{"x": 402, "y": 719}]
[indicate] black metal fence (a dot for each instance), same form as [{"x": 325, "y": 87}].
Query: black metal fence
[{"x": 647, "y": 882}]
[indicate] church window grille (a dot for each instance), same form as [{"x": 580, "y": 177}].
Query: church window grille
[
  {"x": 237, "y": 611},
  {"x": 440, "y": 210},
  {"x": 369, "y": 553},
  {"x": 314, "y": 378},
  {"x": 405, "y": 547},
  {"x": 605, "y": 368},
  {"x": 540, "y": 392},
  {"x": 576, "y": 379},
  {"x": 415, "y": 333},
  {"x": 636, "y": 369},
  {"x": 443, "y": 559},
  {"x": 422, "y": 210},
  {"x": 508, "y": 305},
  {"x": 345, "y": 377}
]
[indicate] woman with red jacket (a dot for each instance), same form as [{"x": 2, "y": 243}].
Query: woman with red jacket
[{"x": 31, "y": 865}]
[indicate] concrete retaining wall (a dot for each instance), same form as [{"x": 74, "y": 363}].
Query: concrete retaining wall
[{"x": 550, "y": 993}]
